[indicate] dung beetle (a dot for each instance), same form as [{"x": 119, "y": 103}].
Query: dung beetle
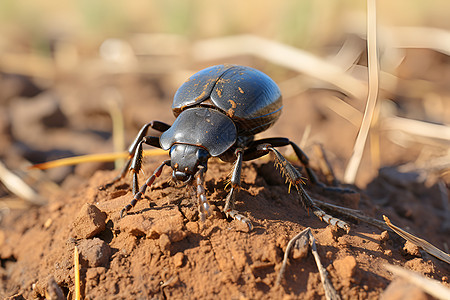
[{"x": 218, "y": 111}]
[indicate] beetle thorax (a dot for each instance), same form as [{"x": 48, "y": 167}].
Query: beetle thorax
[{"x": 186, "y": 160}]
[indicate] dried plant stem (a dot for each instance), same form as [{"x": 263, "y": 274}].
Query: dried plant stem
[
  {"x": 431, "y": 286},
  {"x": 286, "y": 254},
  {"x": 18, "y": 187},
  {"x": 358, "y": 149},
  {"x": 429, "y": 248},
  {"x": 325, "y": 165},
  {"x": 421, "y": 37},
  {"x": 283, "y": 55},
  {"x": 76, "y": 260},
  {"x": 418, "y": 128},
  {"x": 115, "y": 111},
  {"x": 330, "y": 292},
  {"x": 92, "y": 158}
]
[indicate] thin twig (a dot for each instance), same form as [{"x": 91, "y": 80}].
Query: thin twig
[
  {"x": 421, "y": 37},
  {"x": 92, "y": 158},
  {"x": 418, "y": 128},
  {"x": 76, "y": 260},
  {"x": 358, "y": 149},
  {"x": 325, "y": 165},
  {"x": 330, "y": 292},
  {"x": 281, "y": 54},
  {"x": 18, "y": 187},
  {"x": 429, "y": 248},
  {"x": 113, "y": 99},
  {"x": 343, "y": 109},
  {"x": 286, "y": 254},
  {"x": 431, "y": 286}
]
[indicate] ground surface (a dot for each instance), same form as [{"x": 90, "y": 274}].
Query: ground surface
[{"x": 161, "y": 250}]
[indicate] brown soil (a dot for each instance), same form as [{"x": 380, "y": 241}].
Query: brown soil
[{"x": 162, "y": 251}]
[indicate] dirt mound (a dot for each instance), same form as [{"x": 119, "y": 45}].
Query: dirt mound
[{"x": 161, "y": 250}]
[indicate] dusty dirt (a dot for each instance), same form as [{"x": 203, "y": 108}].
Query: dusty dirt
[{"x": 161, "y": 250}]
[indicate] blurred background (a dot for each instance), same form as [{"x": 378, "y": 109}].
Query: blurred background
[{"x": 72, "y": 73}]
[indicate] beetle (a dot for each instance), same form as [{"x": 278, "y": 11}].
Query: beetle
[{"x": 218, "y": 112}]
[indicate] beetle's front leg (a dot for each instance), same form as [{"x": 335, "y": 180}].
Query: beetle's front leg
[
  {"x": 132, "y": 150},
  {"x": 235, "y": 182},
  {"x": 138, "y": 195},
  {"x": 203, "y": 205}
]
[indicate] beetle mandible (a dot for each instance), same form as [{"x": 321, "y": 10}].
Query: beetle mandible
[{"x": 218, "y": 111}]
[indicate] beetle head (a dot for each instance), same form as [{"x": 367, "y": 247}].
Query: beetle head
[{"x": 185, "y": 161}]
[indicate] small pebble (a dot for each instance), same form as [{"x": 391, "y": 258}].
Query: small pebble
[
  {"x": 89, "y": 222},
  {"x": 178, "y": 259},
  {"x": 384, "y": 236},
  {"x": 345, "y": 268},
  {"x": 48, "y": 223},
  {"x": 192, "y": 227},
  {"x": 53, "y": 290},
  {"x": 94, "y": 253},
  {"x": 164, "y": 242},
  {"x": 411, "y": 249}
]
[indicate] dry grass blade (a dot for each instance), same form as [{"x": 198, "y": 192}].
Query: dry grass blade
[
  {"x": 421, "y": 37},
  {"x": 76, "y": 260},
  {"x": 286, "y": 254},
  {"x": 358, "y": 149},
  {"x": 28, "y": 65},
  {"x": 283, "y": 55},
  {"x": 18, "y": 187},
  {"x": 431, "y": 286},
  {"x": 330, "y": 292},
  {"x": 429, "y": 248},
  {"x": 325, "y": 165},
  {"x": 113, "y": 99},
  {"x": 92, "y": 158},
  {"x": 418, "y": 128},
  {"x": 343, "y": 109}
]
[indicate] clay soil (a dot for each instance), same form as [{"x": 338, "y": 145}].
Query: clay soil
[{"x": 161, "y": 250}]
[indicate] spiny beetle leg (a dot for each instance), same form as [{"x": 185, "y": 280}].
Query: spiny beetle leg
[
  {"x": 119, "y": 176},
  {"x": 321, "y": 214},
  {"x": 135, "y": 167},
  {"x": 149, "y": 182},
  {"x": 136, "y": 163},
  {"x": 253, "y": 152},
  {"x": 237, "y": 216},
  {"x": 303, "y": 158},
  {"x": 294, "y": 178},
  {"x": 156, "y": 125},
  {"x": 235, "y": 182},
  {"x": 204, "y": 209}
]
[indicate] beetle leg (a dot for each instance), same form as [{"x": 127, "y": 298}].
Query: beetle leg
[
  {"x": 294, "y": 177},
  {"x": 252, "y": 152},
  {"x": 136, "y": 161},
  {"x": 138, "y": 196},
  {"x": 203, "y": 205},
  {"x": 235, "y": 182},
  {"x": 157, "y": 125}
]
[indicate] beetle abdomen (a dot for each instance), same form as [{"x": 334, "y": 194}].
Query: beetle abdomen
[{"x": 248, "y": 96}]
